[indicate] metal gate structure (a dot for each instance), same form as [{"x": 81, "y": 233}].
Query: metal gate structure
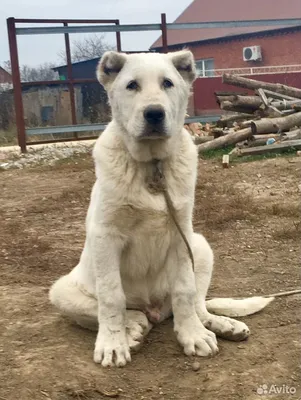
[{"x": 84, "y": 26}]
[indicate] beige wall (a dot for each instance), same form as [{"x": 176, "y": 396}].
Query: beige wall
[{"x": 58, "y": 98}]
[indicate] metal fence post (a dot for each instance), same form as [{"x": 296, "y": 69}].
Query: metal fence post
[
  {"x": 118, "y": 38},
  {"x": 164, "y": 33},
  {"x": 19, "y": 110},
  {"x": 70, "y": 80}
]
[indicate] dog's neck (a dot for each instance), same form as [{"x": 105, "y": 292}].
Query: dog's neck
[
  {"x": 156, "y": 180},
  {"x": 148, "y": 150}
]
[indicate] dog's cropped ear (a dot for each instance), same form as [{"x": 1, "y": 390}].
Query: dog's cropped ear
[
  {"x": 109, "y": 67},
  {"x": 184, "y": 63}
]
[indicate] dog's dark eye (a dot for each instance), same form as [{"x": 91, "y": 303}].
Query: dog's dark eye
[
  {"x": 133, "y": 85},
  {"x": 167, "y": 83}
]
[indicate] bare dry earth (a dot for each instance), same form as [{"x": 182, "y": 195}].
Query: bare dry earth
[{"x": 251, "y": 216}]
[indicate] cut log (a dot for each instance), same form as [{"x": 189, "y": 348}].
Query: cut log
[
  {"x": 229, "y": 106},
  {"x": 253, "y": 102},
  {"x": 229, "y": 93},
  {"x": 292, "y": 135},
  {"x": 202, "y": 139},
  {"x": 280, "y": 96},
  {"x": 253, "y": 84},
  {"x": 270, "y": 125},
  {"x": 227, "y": 120},
  {"x": 217, "y": 132},
  {"x": 267, "y": 136},
  {"x": 258, "y": 142},
  {"x": 287, "y": 105},
  {"x": 231, "y": 138},
  {"x": 273, "y": 148},
  {"x": 220, "y": 99}
]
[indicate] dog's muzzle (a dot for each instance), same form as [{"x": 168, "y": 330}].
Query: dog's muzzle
[{"x": 154, "y": 116}]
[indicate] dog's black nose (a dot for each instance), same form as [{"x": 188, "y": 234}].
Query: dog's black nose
[{"x": 154, "y": 114}]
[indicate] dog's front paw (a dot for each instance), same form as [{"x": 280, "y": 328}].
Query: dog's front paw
[
  {"x": 112, "y": 348},
  {"x": 196, "y": 339}
]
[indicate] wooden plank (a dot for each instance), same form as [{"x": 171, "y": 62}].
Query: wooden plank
[
  {"x": 226, "y": 161},
  {"x": 263, "y": 97},
  {"x": 273, "y": 148}
]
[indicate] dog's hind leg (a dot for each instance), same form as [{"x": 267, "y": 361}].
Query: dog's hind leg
[
  {"x": 224, "y": 327},
  {"x": 137, "y": 327},
  {"x": 74, "y": 302}
]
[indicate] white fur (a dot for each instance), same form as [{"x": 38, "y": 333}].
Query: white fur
[
  {"x": 134, "y": 259},
  {"x": 238, "y": 308}
]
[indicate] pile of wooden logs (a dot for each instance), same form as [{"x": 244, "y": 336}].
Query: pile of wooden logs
[{"x": 265, "y": 121}]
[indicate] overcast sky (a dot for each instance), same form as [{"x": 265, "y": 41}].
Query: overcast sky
[{"x": 37, "y": 49}]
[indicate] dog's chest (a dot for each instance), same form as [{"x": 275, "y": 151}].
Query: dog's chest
[
  {"x": 147, "y": 222},
  {"x": 142, "y": 209}
]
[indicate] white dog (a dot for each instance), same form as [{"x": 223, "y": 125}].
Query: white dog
[{"x": 135, "y": 269}]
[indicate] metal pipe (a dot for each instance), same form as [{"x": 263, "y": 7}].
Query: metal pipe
[
  {"x": 52, "y": 30},
  {"x": 66, "y": 129},
  {"x": 101, "y": 126},
  {"x": 70, "y": 84},
  {"x": 164, "y": 33},
  {"x": 290, "y": 22},
  {"x": 68, "y": 21},
  {"x": 13, "y": 48},
  {"x": 60, "y": 140},
  {"x": 236, "y": 24}
]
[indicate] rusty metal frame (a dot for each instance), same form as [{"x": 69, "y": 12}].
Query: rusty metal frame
[
  {"x": 13, "y": 31},
  {"x": 17, "y": 85}
]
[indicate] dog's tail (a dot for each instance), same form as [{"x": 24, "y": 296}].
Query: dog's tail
[{"x": 237, "y": 307}]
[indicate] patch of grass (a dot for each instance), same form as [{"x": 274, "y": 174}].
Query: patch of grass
[{"x": 217, "y": 153}]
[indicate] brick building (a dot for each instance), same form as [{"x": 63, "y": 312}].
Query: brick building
[
  {"x": 5, "y": 77},
  {"x": 5, "y": 80},
  {"x": 246, "y": 50}
]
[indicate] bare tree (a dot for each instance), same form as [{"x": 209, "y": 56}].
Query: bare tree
[
  {"x": 42, "y": 72},
  {"x": 7, "y": 66},
  {"x": 87, "y": 48}
]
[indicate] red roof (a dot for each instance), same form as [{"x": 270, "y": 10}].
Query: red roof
[{"x": 229, "y": 10}]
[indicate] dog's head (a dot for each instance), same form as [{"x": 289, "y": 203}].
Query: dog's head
[{"x": 148, "y": 93}]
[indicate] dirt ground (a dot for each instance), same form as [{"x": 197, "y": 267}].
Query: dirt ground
[{"x": 251, "y": 215}]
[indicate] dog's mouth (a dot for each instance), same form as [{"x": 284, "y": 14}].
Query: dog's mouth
[{"x": 153, "y": 134}]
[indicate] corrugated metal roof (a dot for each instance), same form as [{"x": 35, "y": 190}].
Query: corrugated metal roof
[
  {"x": 79, "y": 63},
  {"x": 229, "y": 10}
]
